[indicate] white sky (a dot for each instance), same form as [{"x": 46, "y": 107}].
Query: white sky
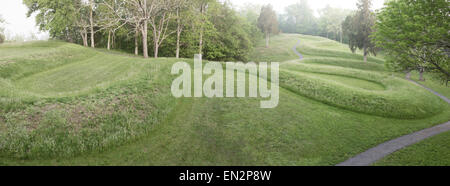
[
  {"x": 14, "y": 12},
  {"x": 279, "y": 5}
]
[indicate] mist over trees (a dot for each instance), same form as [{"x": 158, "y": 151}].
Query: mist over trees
[
  {"x": 299, "y": 18},
  {"x": 268, "y": 22}
]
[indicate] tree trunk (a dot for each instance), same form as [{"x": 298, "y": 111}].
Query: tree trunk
[
  {"x": 156, "y": 50},
  {"x": 340, "y": 33},
  {"x": 84, "y": 37},
  {"x": 202, "y": 11},
  {"x": 136, "y": 43},
  {"x": 178, "y": 45},
  {"x": 109, "y": 40},
  {"x": 91, "y": 20},
  {"x": 178, "y": 34},
  {"x": 144, "y": 31},
  {"x": 267, "y": 40},
  {"x": 365, "y": 54},
  {"x": 113, "y": 39},
  {"x": 421, "y": 71},
  {"x": 200, "y": 46}
]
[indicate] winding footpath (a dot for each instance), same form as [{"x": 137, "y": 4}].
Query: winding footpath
[{"x": 377, "y": 153}]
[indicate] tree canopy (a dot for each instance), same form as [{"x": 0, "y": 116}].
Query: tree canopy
[
  {"x": 170, "y": 28},
  {"x": 419, "y": 38}
]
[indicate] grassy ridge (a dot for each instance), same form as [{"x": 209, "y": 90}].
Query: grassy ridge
[{"x": 399, "y": 100}]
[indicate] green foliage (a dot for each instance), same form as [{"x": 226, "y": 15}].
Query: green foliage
[
  {"x": 57, "y": 17},
  {"x": 415, "y": 35},
  {"x": 359, "y": 27}
]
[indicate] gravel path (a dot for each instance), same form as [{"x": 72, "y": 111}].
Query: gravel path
[
  {"x": 296, "y": 51},
  {"x": 374, "y": 154}
]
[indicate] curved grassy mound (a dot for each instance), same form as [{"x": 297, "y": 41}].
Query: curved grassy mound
[{"x": 397, "y": 100}]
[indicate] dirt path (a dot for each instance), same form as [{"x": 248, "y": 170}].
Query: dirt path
[{"x": 374, "y": 154}]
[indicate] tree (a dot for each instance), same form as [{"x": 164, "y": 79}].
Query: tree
[
  {"x": 2, "y": 36},
  {"x": 331, "y": 20},
  {"x": 359, "y": 27},
  {"x": 140, "y": 12},
  {"x": 57, "y": 17},
  {"x": 82, "y": 21},
  {"x": 415, "y": 35},
  {"x": 110, "y": 18},
  {"x": 202, "y": 8},
  {"x": 182, "y": 14},
  {"x": 268, "y": 22},
  {"x": 160, "y": 23},
  {"x": 91, "y": 21},
  {"x": 299, "y": 18}
]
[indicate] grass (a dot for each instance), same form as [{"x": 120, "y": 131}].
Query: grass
[
  {"x": 434, "y": 151},
  {"x": 102, "y": 108},
  {"x": 433, "y": 83}
]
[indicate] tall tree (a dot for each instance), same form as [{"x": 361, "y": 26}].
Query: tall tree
[
  {"x": 81, "y": 21},
  {"x": 2, "y": 36},
  {"x": 268, "y": 22},
  {"x": 141, "y": 11},
  {"x": 202, "y": 7},
  {"x": 110, "y": 18},
  {"x": 299, "y": 18},
  {"x": 415, "y": 35},
  {"x": 160, "y": 23},
  {"x": 182, "y": 15},
  {"x": 91, "y": 21},
  {"x": 359, "y": 27}
]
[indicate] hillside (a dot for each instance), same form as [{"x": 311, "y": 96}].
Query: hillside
[{"x": 63, "y": 104}]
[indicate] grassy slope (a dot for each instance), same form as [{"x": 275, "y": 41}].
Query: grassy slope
[
  {"x": 302, "y": 130},
  {"x": 434, "y": 151}
]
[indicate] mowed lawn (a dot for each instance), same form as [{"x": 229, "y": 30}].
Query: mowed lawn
[{"x": 68, "y": 105}]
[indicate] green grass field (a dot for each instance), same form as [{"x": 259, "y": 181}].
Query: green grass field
[{"x": 63, "y": 104}]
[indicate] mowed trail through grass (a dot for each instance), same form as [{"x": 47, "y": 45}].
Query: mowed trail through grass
[{"x": 136, "y": 121}]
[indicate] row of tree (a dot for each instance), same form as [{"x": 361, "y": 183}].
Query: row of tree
[
  {"x": 352, "y": 27},
  {"x": 172, "y": 28},
  {"x": 300, "y": 18}
]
